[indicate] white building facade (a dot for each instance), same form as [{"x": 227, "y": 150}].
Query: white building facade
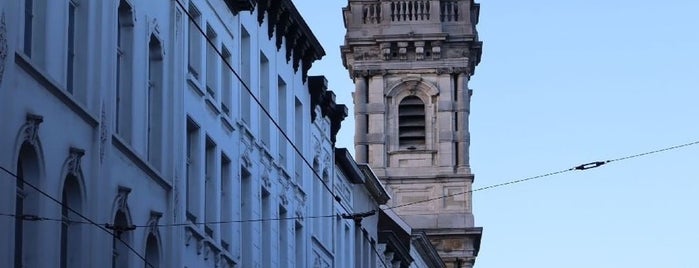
[{"x": 127, "y": 113}]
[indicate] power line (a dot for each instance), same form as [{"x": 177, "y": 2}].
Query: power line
[
  {"x": 32, "y": 217},
  {"x": 581, "y": 167},
  {"x": 257, "y": 101}
]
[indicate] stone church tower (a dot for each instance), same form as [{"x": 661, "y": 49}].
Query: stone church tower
[{"x": 411, "y": 62}]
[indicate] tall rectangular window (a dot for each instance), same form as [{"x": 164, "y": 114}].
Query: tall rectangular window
[
  {"x": 211, "y": 182},
  {"x": 34, "y": 35},
  {"x": 298, "y": 140},
  {"x": 28, "y": 26},
  {"x": 226, "y": 81},
  {"x": 246, "y": 67},
  {"x": 192, "y": 172},
  {"x": 266, "y": 229},
  {"x": 283, "y": 237},
  {"x": 282, "y": 120},
  {"x": 71, "y": 46},
  {"x": 300, "y": 257},
  {"x": 247, "y": 198},
  {"x": 124, "y": 71},
  {"x": 211, "y": 64},
  {"x": 226, "y": 206},
  {"x": 154, "y": 103},
  {"x": 76, "y": 58},
  {"x": 265, "y": 123},
  {"x": 195, "y": 42}
]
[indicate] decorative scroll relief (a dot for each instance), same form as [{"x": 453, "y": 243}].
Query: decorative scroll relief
[
  {"x": 3, "y": 45},
  {"x": 74, "y": 158},
  {"x": 31, "y": 128}
]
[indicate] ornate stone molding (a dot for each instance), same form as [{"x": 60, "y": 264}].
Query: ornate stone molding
[
  {"x": 153, "y": 222},
  {"x": 122, "y": 199},
  {"x": 31, "y": 128},
  {"x": 3, "y": 45},
  {"x": 73, "y": 163},
  {"x": 103, "y": 132}
]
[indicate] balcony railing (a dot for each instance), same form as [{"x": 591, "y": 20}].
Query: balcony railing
[{"x": 412, "y": 10}]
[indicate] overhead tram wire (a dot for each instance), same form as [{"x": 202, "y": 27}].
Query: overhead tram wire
[
  {"x": 365, "y": 214},
  {"x": 257, "y": 101},
  {"x": 103, "y": 228},
  {"x": 361, "y": 215},
  {"x": 582, "y": 167},
  {"x": 263, "y": 109}
]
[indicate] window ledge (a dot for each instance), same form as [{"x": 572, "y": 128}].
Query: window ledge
[
  {"x": 152, "y": 173},
  {"x": 211, "y": 103},
  {"x": 226, "y": 121},
  {"x": 54, "y": 88},
  {"x": 195, "y": 85}
]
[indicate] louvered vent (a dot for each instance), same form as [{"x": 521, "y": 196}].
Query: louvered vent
[{"x": 411, "y": 123}]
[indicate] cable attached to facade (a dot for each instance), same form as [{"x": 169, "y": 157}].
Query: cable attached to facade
[{"x": 88, "y": 220}]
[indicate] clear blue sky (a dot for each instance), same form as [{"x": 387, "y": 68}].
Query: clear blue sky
[{"x": 562, "y": 83}]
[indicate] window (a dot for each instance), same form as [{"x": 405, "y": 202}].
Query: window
[
  {"x": 411, "y": 123},
  {"x": 298, "y": 139},
  {"x": 226, "y": 207},
  {"x": 267, "y": 228},
  {"x": 211, "y": 64},
  {"x": 76, "y": 58},
  {"x": 211, "y": 185},
  {"x": 283, "y": 237},
  {"x": 71, "y": 46},
  {"x": 34, "y": 30},
  {"x": 124, "y": 71},
  {"x": 246, "y": 67},
  {"x": 195, "y": 42},
  {"x": 192, "y": 191},
  {"x": 70, "y": 232},
  {"x": 282, "y": 115},
  {"x": 299, "y": 245},
  {"x": 226, "y": 81},
  {"x": 120, "y": 250},
  {"x": 265, "y": 121},
  {"x": 28, "y": 26},
  {"x": 27, "y": 203},
  {"x": 152, "y": 252},
  {"x": 154, "y": 103},
  {"x": 246, "y": 207}
]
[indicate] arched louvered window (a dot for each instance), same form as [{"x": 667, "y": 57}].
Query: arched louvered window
[{"x": 411, "y": 123}]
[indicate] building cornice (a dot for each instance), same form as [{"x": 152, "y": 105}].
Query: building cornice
[
  {"x": 321, "y": 96},
  {"x": 426, "y": 250},
  {"x": 284, "y": 21}
]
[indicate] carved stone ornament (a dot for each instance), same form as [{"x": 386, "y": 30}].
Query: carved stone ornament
[
  {"x": 122, "y": 198},
  {"x": 3, "y": 45},
  {"x": 31, "y": 128},
  {"x": 74, "y": 157},
  {"x": 284, "y": 199},
  {"x": 299, "y": 213},
  {"x": 103, "y": 132},
  {"x": 266, "y": 182},
  {"x": 188, "y": 235},
  {"x": 153, "y": 222}
]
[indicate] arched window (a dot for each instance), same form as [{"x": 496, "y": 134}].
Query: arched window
[
  {"x": 152, "y": 252},
  {"x": 26, "y": 205},
  {"x": 411, "y": 123},
  {"x": 70, "y": 232},
  {"x": 154, "y": 103},
  {"x": 120, "y": 252}
]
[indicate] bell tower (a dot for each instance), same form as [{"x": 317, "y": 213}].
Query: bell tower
[{"x": 411, "y": 61}]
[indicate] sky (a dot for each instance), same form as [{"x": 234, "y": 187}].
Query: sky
[{"x": 564, "y": 83}]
